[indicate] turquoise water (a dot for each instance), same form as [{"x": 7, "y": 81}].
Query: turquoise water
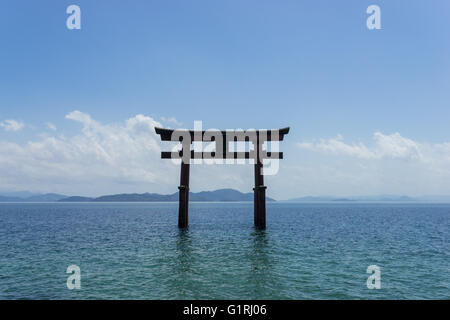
[{"x": 309, "y": 251}]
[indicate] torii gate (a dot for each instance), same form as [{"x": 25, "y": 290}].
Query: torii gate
[{"x": 222, "y": 139}]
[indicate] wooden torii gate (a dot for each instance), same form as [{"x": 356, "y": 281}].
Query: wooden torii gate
[{"x": 222, "y": 140}]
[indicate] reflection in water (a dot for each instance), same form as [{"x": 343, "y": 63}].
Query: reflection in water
[
  {"x": 262, "y": 276},
  {"x": 184, "y": 251},
  {"x": 181, "y": 265},
  {"x": 194, "y": 270}
]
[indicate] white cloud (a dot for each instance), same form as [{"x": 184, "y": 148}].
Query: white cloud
[
  {"x": 84, "y": 118},
  {"x": 337, "y": 146},
  {"x": 392, "y": 146},
  {"x": 171, "y": 120},
  {"x": 51, "y": 126},
  {"x": 12, "y": 125}
]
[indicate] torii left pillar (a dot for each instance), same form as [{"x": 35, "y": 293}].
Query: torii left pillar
[{"x": 183, "y": 209}]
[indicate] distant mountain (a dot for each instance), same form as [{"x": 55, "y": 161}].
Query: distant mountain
[
  {"x": 18, "y": 194},
  {"x": 217, "y": 195},
  {"x": 223, "y": 195},
  {"x": 384, "y": 198},
  {"x": 312, "y": 199},
  {"x": 436, "y": 198},
  {"x": 76, "y": 199},
  {"x": 10, "y": 199},
  {"x": 49, "y": 197},
  {"x": 136, "y": 197},
  {"x": 355, "y": 198}
]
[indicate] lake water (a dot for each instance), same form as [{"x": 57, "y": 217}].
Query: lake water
[{"x": 309, "y": 251}]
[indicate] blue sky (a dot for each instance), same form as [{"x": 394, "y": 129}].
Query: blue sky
[{"x": 310, "y": 65}]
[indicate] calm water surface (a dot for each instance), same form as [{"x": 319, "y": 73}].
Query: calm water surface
[{"x": 309, "y": 251}]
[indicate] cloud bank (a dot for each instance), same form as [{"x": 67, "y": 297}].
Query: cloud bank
[
  {"x": 392, "y": 146},
  {"x": 104, "y": 159},
  {"x": 100, "y": 155},
  {"x": 392, "y": 164},
  {"x": 124, "y": 157}
]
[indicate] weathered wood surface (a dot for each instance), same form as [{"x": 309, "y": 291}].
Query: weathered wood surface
[
  {"x": 166, "y": 134},
  {"x": 227, "y": 155},
  {"x": 183, "y": 203},
  {"x": 259, "y": 203}
]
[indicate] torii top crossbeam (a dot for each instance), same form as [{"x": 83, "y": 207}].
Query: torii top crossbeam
[
  {"x": 222, "y": 139},
  {"x": 166, "y": 134}
]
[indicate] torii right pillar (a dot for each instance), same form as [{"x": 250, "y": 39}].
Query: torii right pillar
[{"x": 260, "y": 189}]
